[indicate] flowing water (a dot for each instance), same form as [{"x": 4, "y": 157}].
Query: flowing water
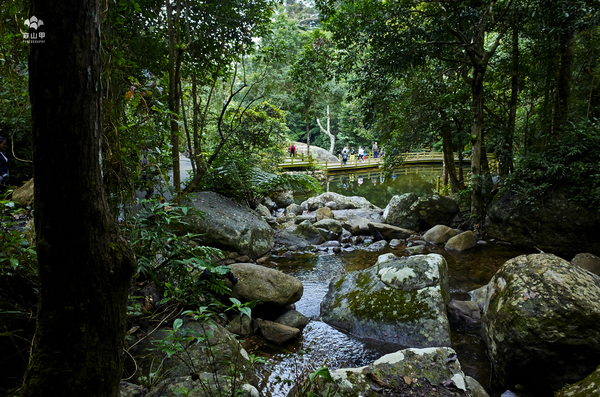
[{"x": 322, "y": 344}]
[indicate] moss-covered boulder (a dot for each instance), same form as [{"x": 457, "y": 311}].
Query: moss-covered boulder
[
  {"x": 540, "y": 322},
  {"x": 590, "y": 386},
  {"x": 229, "y": 225},
  {"x": 433, "y": 371},
  {"x": 398, "y": 213},
  {"x": 309, "y": 232},
  {"x": 399, "y": 299}
]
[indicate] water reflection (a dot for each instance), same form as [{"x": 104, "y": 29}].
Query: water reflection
[{"x": 375, "y": 187}]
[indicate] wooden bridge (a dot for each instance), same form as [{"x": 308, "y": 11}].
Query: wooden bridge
[{"x": 354, "y": 162}]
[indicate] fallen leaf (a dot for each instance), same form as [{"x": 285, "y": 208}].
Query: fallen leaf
[{"x": 407, "y": 380}]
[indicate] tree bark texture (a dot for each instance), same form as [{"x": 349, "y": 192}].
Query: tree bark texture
[
  {"x": 328, "y": 131},
  {"x": 448, "y": 151},
  {"x": 174, "y": 64},
  {"x": 506, "y": 152},
  {"x": 85, "y": 268}
]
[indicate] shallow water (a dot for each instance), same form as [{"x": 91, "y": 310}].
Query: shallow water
[{"x": 322, "y": 344}]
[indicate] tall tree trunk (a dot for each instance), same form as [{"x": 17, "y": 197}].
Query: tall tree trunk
[
  {"x": 448, "y": 151},
  {"x": 85, "y": 267},
  {"x": 563, "y": 81},
  {"x": 174, "y": 61},
  {"x": 477, "y": 133},
  {"x": 506, "y": 152},
  {"x": 328, "y": 131},
  {"x": 307, "y": 133}
]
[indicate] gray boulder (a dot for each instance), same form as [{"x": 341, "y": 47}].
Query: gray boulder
[
  {"x": 439, "y": 234},
  {"x": 229, "y": 225},
  {"x": 269, "y": 287},
  {"x": 435, "y": 210},
  {"x": 540, "y": 322},
  {"x": 342, "y": 202},
  {"x": 462, "y": 242},
  {"x": 358, "y": 226},
  {"x": 589, "y": 262},
  {"x": 417, "y": 250},
  {"x": 553, "y": 223},
  {"x": 404, "y": 373},
  {"x": 309, "y": 232},
  {"x": 401, "y": 300},
  {"x": 315, "y": 151},
  {"x": 398, "y": 213},
  {"x": 383, "y": 231}
]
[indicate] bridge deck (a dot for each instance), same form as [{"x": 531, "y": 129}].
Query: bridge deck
[{"x": 354, "y": 163}]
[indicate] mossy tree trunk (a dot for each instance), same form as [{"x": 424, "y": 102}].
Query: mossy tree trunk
[{"x": 85, "y": 268}]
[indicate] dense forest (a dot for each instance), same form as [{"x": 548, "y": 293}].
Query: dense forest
[{"x": 231, "y": 83}]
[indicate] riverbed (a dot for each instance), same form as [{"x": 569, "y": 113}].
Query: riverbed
[{"x": 322, "y": 344}]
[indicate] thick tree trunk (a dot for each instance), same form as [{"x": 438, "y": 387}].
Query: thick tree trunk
[
  {"x": 174, "y": 62},
  {"x": 477, "y": 182},
  {"x": 85, "y": 268}
]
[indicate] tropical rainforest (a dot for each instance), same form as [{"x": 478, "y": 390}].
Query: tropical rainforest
[{"x": 230, "y": 84}]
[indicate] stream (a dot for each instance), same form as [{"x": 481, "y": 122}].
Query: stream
[{"x": 322, "y": 344}]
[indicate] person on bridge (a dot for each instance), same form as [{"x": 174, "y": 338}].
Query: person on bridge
[
  {"x": 361, "y": 153},
  {"x": 292, "y": 150},
  {"x": 375, "y": 150},
  {"x": 345, "y": 155}
]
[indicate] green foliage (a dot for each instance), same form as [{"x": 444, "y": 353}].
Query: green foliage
[
  {"x": 245, "y": 182},
  {"x": 571, "y": 163},
  {"x": 17, "y": 255},
  {"x": 170, "y": 257}
]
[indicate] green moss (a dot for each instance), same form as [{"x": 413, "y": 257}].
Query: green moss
[{"x": 384, "y": 305}]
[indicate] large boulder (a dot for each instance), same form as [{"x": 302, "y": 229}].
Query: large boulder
[
  {"x": 540, "y": 322},
  {"x": 433, "y": 371},
  {"x": 316, "y": 152},
  {"x": 341, "y": 202},
  {"x": 229, "y": 225},
  {"x": 398, "y": 213},
  {"x": 399, "y": 299},
  {"x": 435, "y": 210},
  {"x": 330, "y": 224},
  {"x": 276, "y": 332},
  {"x": 269, "y": 287},
  {"x": 552, "y": 223}
]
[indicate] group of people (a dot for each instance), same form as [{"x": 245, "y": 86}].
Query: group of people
[{"x": 361, "y": 153}]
